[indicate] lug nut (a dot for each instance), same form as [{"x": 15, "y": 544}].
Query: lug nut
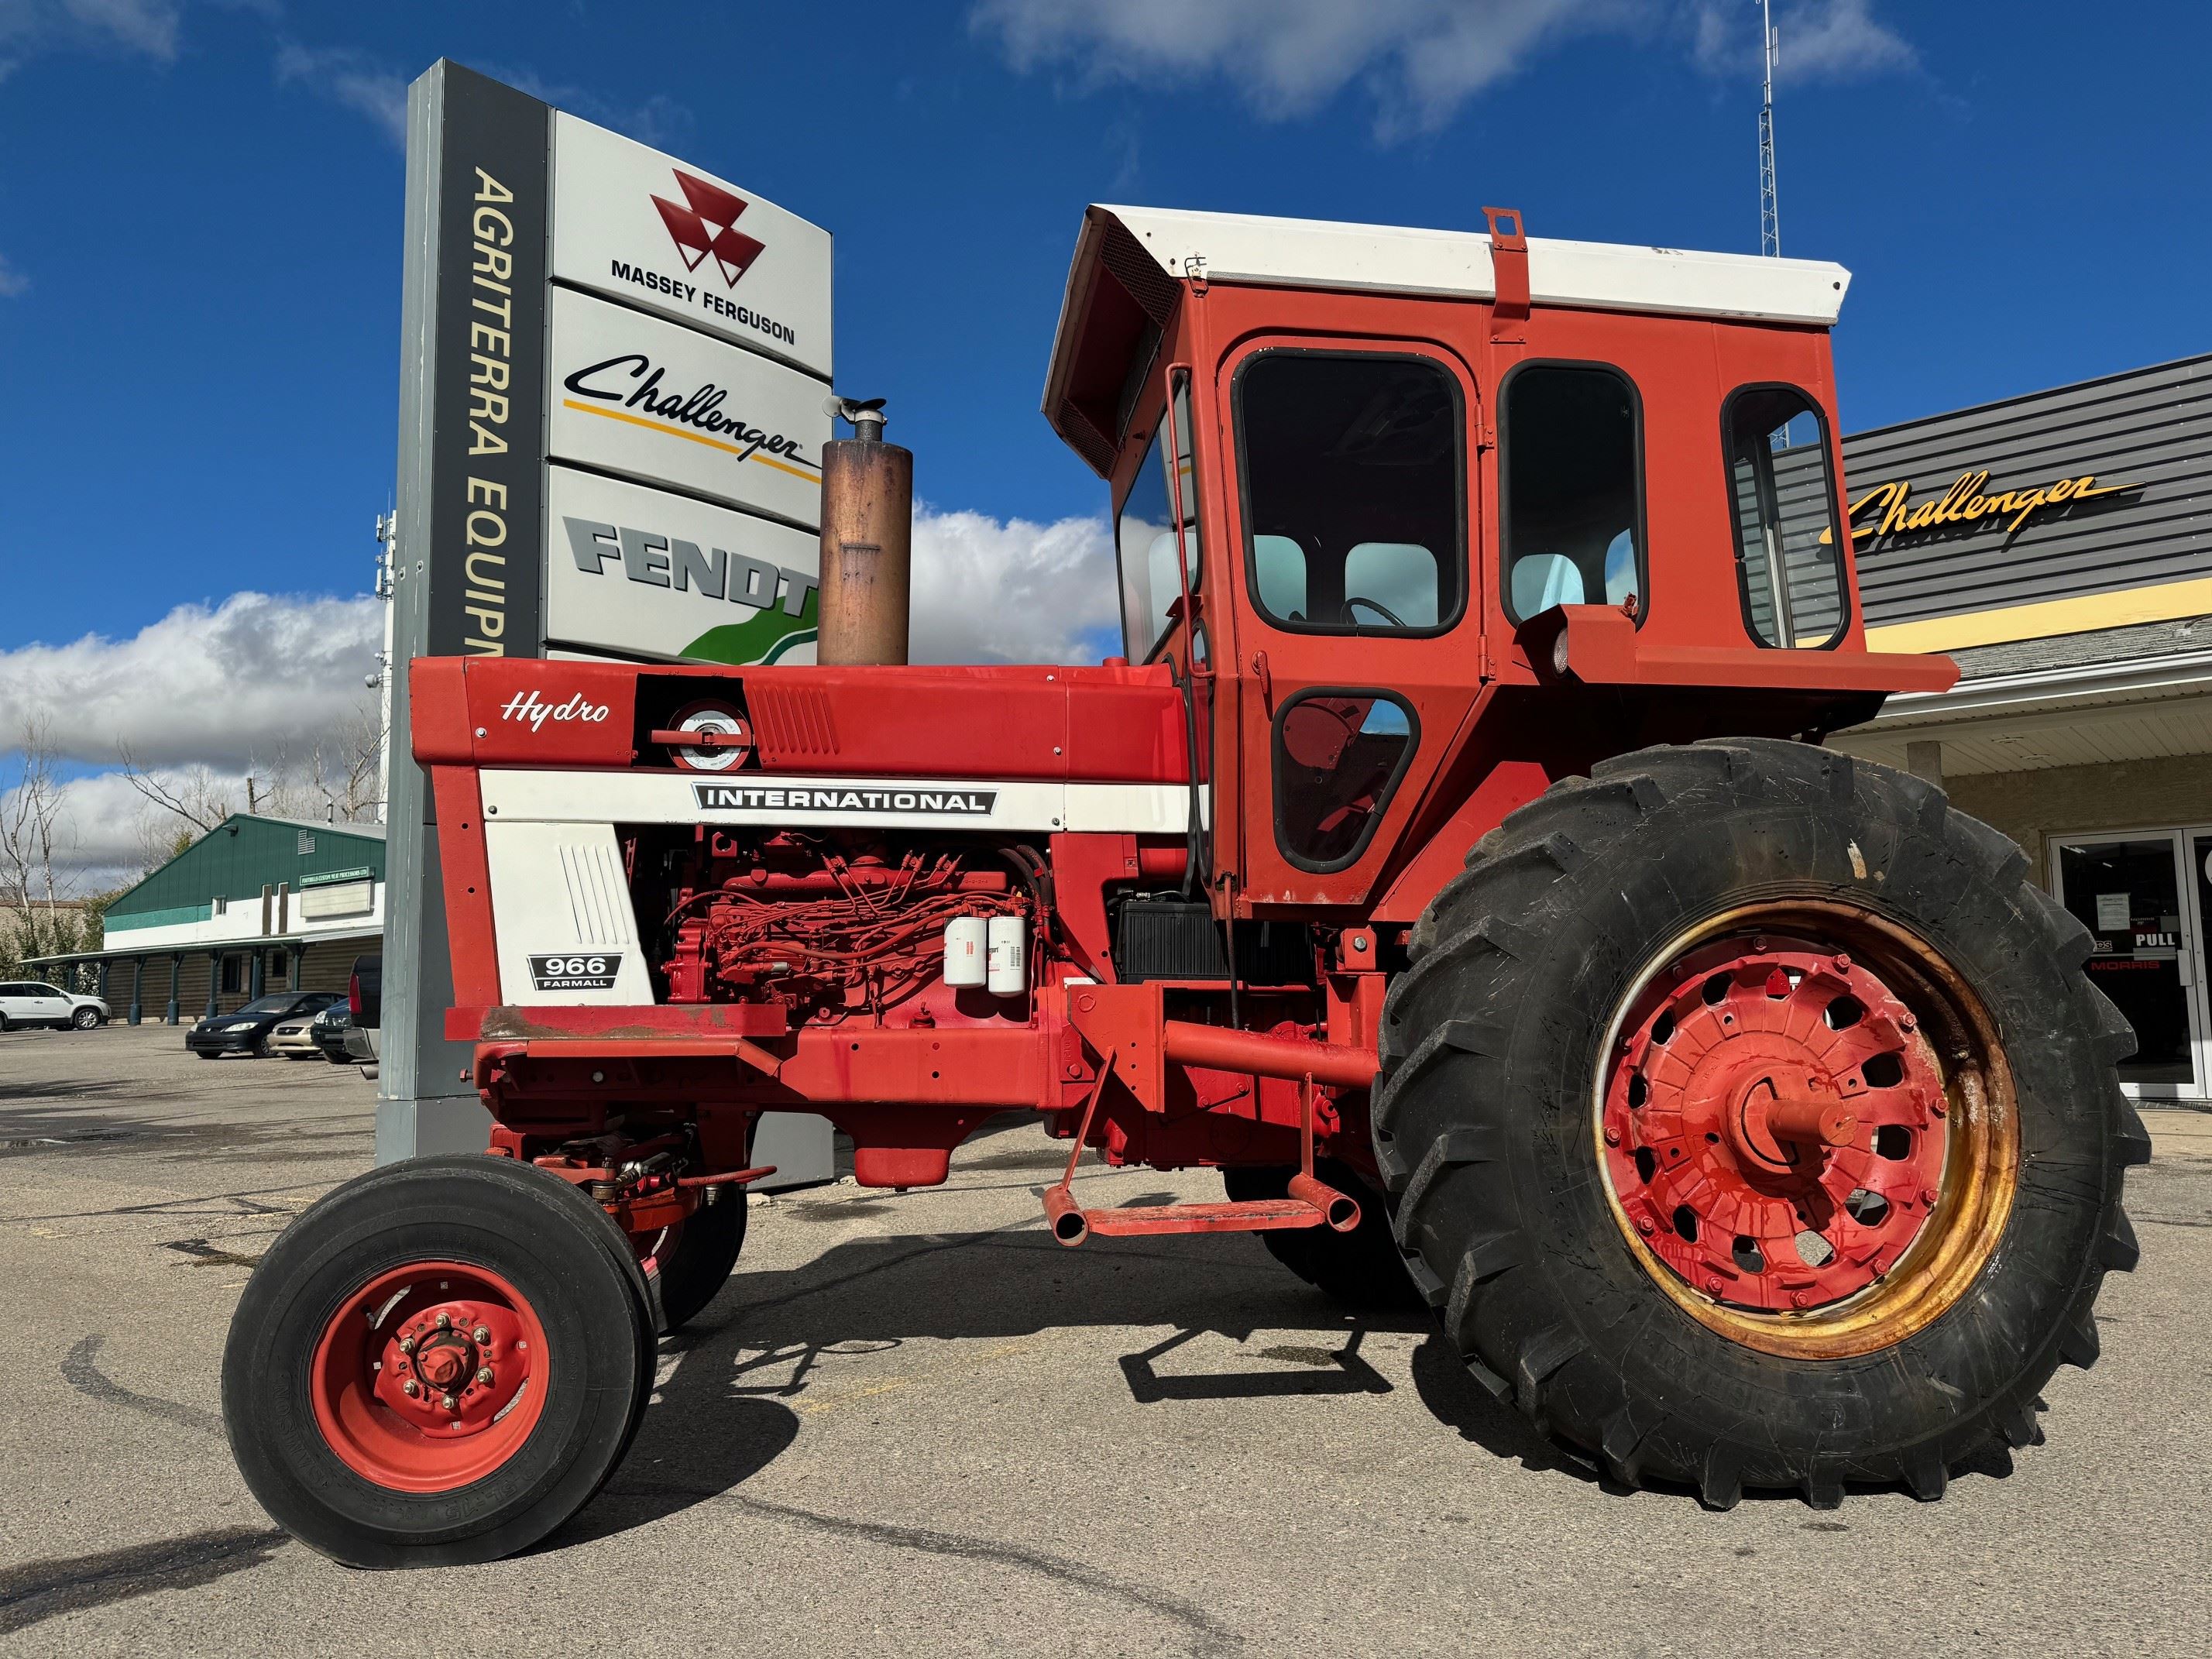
[
  {"x": 1612, "y": 1136},
  {"x": 445, "y": 1322},
  {"x": 483, "y": 1332},
  {"x": 450, "y": 1403},
  {"x": 484, "y": 1375},
  {"x": 407, "y": 1344},
  {"x": 1643, "y": 1224},
  {"x": 413, "y": 1388}
]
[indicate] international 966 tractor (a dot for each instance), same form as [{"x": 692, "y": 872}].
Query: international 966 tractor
[{"x": 1452, "y": 861}]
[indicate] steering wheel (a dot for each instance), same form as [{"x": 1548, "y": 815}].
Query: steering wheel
[{"x": 1388, "y": 616}]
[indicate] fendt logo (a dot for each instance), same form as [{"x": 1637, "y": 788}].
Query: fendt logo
[{"x": 708, "y": 225}]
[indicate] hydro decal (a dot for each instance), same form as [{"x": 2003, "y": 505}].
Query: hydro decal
[
  {"x": 487, "y": 377},
  {"x": 576, "y": 971},
  {"x": 743, "y": 797}
]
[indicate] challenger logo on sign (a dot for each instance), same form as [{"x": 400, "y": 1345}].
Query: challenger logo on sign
[
  {"x": 578, "y": 970},
  {"x": 744, "y": 797}
]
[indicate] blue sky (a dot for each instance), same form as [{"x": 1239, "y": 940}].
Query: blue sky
[{"x": 200, "y": 208}]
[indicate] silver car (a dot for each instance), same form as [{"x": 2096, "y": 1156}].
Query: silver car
[{"x": 33, "y": 1002}]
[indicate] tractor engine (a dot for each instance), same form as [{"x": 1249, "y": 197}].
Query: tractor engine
[{"x": 832, "y": 924}]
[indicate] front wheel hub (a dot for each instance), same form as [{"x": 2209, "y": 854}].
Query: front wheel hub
[
  {"x": 430, "y": 1376},
  {"x": 1774, "y": 1123}
]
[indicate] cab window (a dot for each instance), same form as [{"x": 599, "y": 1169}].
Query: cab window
[
  {"x": 1571, "y": 460},
  {"x": 1783, "y": 501},
  {"x": 1339, "y": 756},
  {"x": 1144, "y": 536},
  {"x": 1354, "y": 477}
]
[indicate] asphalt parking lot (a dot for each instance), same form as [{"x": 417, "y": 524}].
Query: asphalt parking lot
[{"x": 915, "y": 1423}]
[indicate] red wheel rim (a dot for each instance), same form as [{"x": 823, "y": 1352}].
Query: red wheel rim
[
  {"x": 468, "y": 1345},
  {"x": 1775, "y": 1126}
]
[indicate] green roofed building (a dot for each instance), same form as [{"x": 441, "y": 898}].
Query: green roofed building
[{"x": 257, "y": 904}]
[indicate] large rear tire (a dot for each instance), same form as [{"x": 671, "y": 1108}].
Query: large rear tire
[
  {"x": 1709, "y": 995},
  {"x": 438, "y": 1364}
]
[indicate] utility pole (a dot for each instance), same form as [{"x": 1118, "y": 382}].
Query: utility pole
[{"x": 1770, "y": 208}]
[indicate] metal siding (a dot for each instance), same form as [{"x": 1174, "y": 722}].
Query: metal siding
[
  {"x": 264, "y": 853},
  {"x": 2150, "y": 426}
]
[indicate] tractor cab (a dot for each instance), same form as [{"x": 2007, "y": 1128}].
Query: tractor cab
[{"x": 1377, "y": 489}]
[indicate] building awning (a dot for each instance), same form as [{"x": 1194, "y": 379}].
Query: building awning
[
  {"x": 2138, "y": 708},
  {"x": 224, "y": 947}
]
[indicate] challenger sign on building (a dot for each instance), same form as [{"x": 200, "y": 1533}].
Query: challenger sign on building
[{"x": 614, "y": 369}]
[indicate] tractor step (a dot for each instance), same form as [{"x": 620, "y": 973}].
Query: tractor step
[{"x": 1309, "y": 1204}]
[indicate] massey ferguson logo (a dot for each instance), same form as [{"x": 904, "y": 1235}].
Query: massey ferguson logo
[
  {"x": 753, "y": 798},
  {"x": 524, "y": 705},
  {"x": 708, "y": 225},
  {"x": 579, "y": 970}
]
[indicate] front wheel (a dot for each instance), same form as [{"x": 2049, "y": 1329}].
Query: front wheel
[
  {"x": 1752, "y": 1123},
  {"x": 437, "y": 1363},
  {"x": 85, "y": 1019},
  {"x": 692, "y": 1260}
]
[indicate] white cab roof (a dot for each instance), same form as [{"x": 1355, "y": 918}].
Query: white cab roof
[{"x": 1239, "y": 247}]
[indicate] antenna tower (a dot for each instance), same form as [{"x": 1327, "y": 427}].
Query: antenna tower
[{"x": 1770, "y": 208}]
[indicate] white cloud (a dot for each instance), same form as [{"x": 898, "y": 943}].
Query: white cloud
[
  {"x": 1819, "y": 40},
  {"x": 351, "y": 79},
  {"x": 29, "y": 27},
  {"x": 991, "y": 590},
  {"x": 105, "y": 834},
  {"x": 253, "y": 676},
  {"x": 12, "y": 281},
  {"x": 660, "y": 120},
  {"x": 1422, "y": 58}
]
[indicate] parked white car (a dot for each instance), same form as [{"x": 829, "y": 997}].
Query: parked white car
[{"x": 33, "y": 1002}]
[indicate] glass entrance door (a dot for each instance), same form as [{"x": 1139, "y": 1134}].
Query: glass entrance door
[{"x": 2129, "y": 892}]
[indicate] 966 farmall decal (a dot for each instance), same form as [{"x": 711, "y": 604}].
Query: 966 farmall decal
[{"x": 580, "y": 970}]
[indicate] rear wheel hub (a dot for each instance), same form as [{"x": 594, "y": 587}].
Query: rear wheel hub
[{"x": 1773, "y": 1123}]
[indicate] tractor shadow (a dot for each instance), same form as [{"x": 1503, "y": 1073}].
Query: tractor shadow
[{"x": 744, "y": 1369}]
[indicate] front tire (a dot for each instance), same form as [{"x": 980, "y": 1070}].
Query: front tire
[
  {"x": 1712, "y": 993},
  {"x": 85, "y": 1019},
  {"x": 437, "y": 1363},
  {"x": 691, "y": 1267}
]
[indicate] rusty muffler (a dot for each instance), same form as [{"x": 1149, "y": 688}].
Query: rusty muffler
[{"x": 867, "y": 533}]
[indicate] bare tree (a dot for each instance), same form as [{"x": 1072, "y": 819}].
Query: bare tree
[
  {"x": 337, "y": 778},
  {"x": 194, "y": 794},
  {"x": 40, "y": 917}
]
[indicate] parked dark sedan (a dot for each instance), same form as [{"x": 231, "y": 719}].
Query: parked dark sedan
[
  {"x": 330, "y": 1029},
  {"x": 245, "y": 1031}
]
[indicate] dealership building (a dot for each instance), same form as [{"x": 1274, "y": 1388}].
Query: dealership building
[
  {"x": 2059, "y": 547},
  {"x": 256, "y": 905}
]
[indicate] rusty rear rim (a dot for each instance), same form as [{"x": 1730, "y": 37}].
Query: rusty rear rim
[
  {"x": 1808, "y": 1128},
  {"x": 429, "y": 1376}
]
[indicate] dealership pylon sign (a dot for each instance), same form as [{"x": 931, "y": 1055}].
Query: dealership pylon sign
[{"x": 615, "y": 364}]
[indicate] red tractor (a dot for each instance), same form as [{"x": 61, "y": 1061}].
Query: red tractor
[{"x": 1452, "y": 862}]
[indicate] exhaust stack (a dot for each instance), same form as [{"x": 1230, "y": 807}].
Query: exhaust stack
[{"x": 867, "y": 528}]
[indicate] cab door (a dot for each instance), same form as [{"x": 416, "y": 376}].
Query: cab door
[{"x": 1358, "y": 636}]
